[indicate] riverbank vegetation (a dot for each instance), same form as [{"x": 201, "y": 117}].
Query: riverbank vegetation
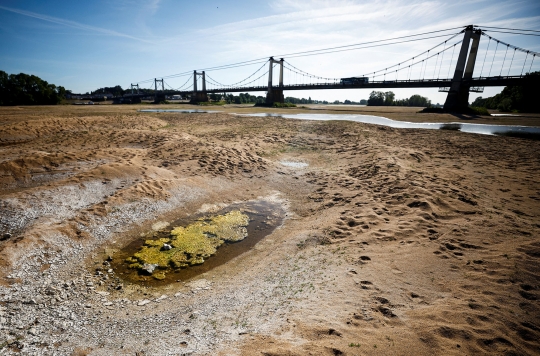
[{"x": 24, "y": 89}]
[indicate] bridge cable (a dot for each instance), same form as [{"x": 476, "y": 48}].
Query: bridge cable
[
  {"x": 506, "y": 28},
  {"x": 525, "y": 61},
  {"x": 187, "y": 81},
  {"x": 425, "y": 69},
  {"x": 516, "y": 33},
  {"x": 243, "y": 80},
  {"x": 421, "y": 62},
  {"x": 451, "y": 60},
  {"x": 534, "y": 55},
  {"x": 294, "y": 54},
  {"x": 487, "y": 50},
  {"x": 435, "y": 68},
  {"x": 442, "y": 60},
  {"x": 504, "y": 60},
  {"x": 418, "y": 55},
  {"x": 512, "y": 61},
  {"x": 512, "y": 46},
  {"x": 493, "y": 60}
]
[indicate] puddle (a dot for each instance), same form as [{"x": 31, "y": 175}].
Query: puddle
[
  {"x": 264, "y": 217},
  {"x": 294, "y": 164},
  {"x": 529, "y": 132},
  {"x": 185, "y": 111}
]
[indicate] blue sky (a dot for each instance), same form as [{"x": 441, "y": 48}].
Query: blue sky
[{"x": 87, "y": 45}]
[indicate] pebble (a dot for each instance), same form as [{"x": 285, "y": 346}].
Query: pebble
[{"x": 143, "y": 302}]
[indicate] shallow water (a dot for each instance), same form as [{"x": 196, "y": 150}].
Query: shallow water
[
  {"x": 183, "y": 111},
  {"x": 499, "y": 130},
  {"x": 264, "y": 218}
]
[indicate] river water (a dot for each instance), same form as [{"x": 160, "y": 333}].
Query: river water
[{"x": 499, "y": 130}]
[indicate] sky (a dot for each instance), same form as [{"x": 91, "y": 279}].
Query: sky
[{"x": 84, "y": 46}]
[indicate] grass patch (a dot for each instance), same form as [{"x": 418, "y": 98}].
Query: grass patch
[
  {"x": 276, "y": 105},
  {"x": 212, "y": 103}
]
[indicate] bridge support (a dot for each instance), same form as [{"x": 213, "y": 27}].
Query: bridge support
[
  {"x": 458, "y": 95},
  {"x": 133, "y": 86},
  {"x": 158, "y": 97},
  {"x": 199, "y": 96},
  {"x": 275, "y": 95}
]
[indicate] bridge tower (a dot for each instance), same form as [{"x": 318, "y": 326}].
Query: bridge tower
[
  {"x": 159, "y": 96},
  {"x": 133, "y": 86},
  {"x": 199, "y": 96},
  {"x": 458, "y": 95},
  {"x": 275, "y": 95}
]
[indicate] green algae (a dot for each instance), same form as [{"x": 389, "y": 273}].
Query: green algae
[{"x": 190, "y": 245}]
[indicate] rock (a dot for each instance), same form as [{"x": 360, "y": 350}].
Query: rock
[
  {"x": 107, "y": 304},
  {"x": 149, "y": 267},
  {"x": 143, "y": 302},
  {"x": 166, "y": 247},
  {"x": 33, "y": 331},
  {"x": 164, "y": 296},
  {"x": 5, "y": 236}
]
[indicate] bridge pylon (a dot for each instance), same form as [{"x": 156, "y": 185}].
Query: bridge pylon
[
  {"x": 199, "y": 96},
  {"x": 458, "y": 95},
  {"x": 158, "y": 97},
  {"x": 275, "y": 94},
  {"x": 133, "y": 86}
]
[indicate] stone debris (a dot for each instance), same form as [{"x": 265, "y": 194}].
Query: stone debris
[{"x": 149, "y": 267}]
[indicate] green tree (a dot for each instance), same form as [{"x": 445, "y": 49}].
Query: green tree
[{"x": 24, "y": 89}]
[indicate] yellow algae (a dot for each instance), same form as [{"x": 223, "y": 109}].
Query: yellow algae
[{"x": 190, "y": 245}]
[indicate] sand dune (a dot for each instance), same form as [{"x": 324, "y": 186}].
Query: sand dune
[{"x": 395, "y": 241}]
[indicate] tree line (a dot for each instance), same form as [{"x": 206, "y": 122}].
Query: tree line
[
  {"x": 379, "y": 98},
  {"x": 519, "y": 98},
  {"x": 24, "y": 89}
]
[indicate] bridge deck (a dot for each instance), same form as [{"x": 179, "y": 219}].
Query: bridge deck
[{"x": 387, "y": 84}]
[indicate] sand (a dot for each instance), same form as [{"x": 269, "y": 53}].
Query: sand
[{"x": 395, "y": 241}]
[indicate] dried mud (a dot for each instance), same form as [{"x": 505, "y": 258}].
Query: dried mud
[{"x": 395, "y": 241}]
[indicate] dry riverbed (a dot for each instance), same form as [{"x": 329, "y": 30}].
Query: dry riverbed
[{"x": 380, "y": 241}]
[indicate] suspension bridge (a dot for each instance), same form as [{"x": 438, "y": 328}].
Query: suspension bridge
[{"x": 450, "y": 66}]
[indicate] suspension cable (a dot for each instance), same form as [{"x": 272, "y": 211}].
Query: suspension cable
[
  {"x": 304, "y": 72},
  {"x": 435, "y": 68},
  {"x": 504, "y": 60},
  {"x": 525, "y": 61},
  {"x": 451, "y": 60},
  {"x": 493, "y": 60},
  {"x": 418, "y": 55},
  {"x": 487, "y": 50},
  {"x": 512, "y": 61},
  {"x": 511, "y": 46},
  {"x": 421, "y": 62},
  {"x": 442, "y": 60},
  {"x": 534, "y": 56}
]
